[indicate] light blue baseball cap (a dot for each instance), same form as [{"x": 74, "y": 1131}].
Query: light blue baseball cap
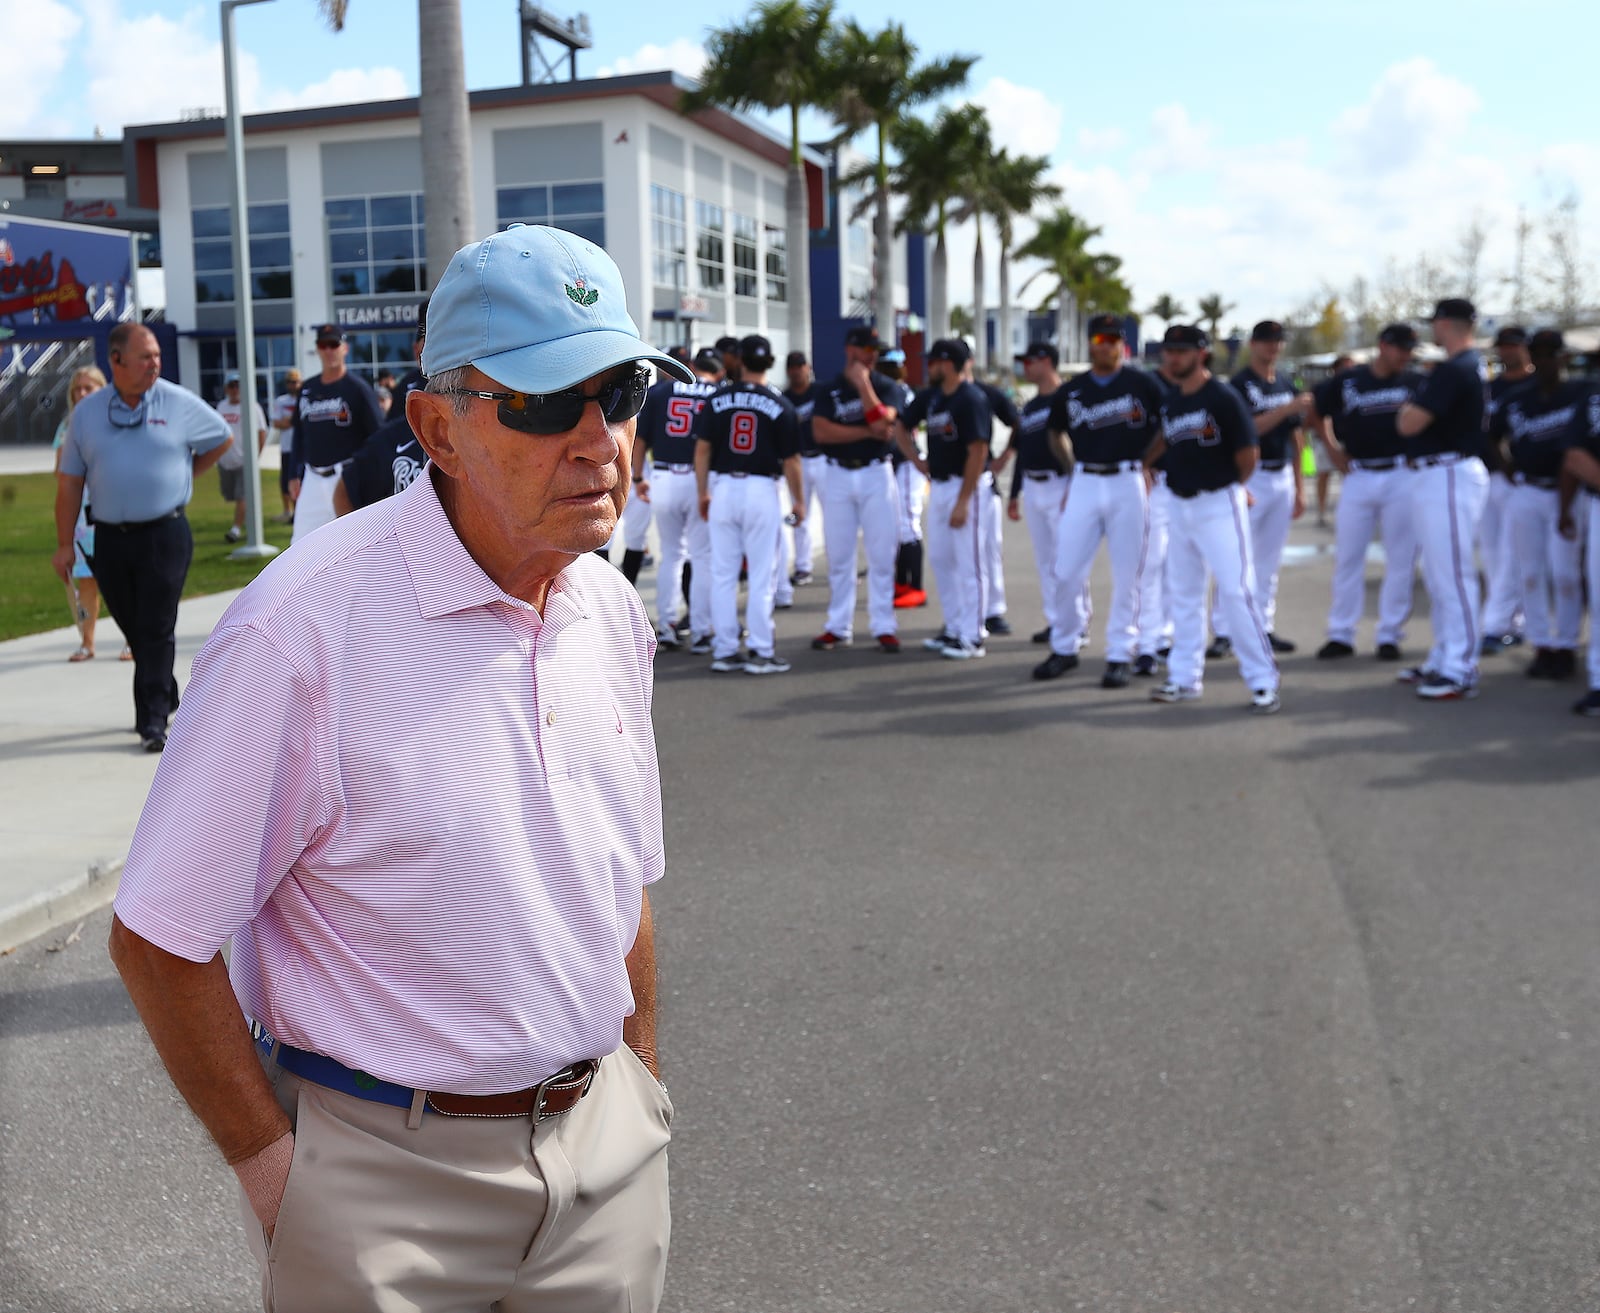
[{"x": 536, "y": 309}]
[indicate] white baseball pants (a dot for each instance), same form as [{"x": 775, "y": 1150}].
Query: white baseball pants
[
  {"x": 1270, "y": 518},
  {"x": 1373, "y": 502},
  {"x": 1210, "y": 534},
  {"x": 1155, "y": 597},
  {"x": 635, "y": 526},
  {"x": 314, "y": 507},
  {"x": 1550, "y": 567},
  {"x": 1502, "y": 603},
  {"x": 994, "y": 588},
  {"x": 1112, "y": 507},
  {"x": 863, "y": 502},
  {"x": 813, "y": 469},
  {"x": 912, "y": 485},
  {"x": 680, "y": 528},
  {"x": 1592, "y": 565},
  {"x": 959, "y": 557},
  {"x": 1042, "y": 500},
  {"x": 745, "y": 519},
  {"x": 1447, "y": 503}
]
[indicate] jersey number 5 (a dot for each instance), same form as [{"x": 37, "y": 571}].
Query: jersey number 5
[
  {"x": 680, "y": 415},
  {"x": 743, "y": 437}
]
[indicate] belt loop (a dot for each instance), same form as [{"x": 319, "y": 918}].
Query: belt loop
[
  {"x": 419, "y": 1099},
  {"x": 272, "y": 1053}
]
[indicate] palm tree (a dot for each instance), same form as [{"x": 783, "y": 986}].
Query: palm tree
[
  {"x": 446, "y": 137},
  {"x": 1167, "y": 310},
  {"x": 1008, "y": 189},
  {"x": 1060, "y": 241},
  {"x": 876, "y": 82},
  {"x": 1212, "y": 309},
  {"x": 778, "y": 60}
]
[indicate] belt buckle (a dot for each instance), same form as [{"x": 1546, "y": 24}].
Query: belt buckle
[{"x": 542, "y": 1089}]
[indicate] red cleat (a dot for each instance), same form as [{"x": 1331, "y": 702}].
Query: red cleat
[
  {"x": 911, "y": 597},
  {"x": 889, "y": 644},
  {"x": 827, "y": 640}
]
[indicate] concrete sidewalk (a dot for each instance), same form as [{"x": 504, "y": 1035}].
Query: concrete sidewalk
[{"x": 71, "y": 771}]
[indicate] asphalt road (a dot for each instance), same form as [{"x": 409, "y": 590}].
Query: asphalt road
[{"x": 981, "y": 994}]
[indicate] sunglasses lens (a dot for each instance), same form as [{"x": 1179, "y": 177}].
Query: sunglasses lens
[{"x": 1104, "y": 339}]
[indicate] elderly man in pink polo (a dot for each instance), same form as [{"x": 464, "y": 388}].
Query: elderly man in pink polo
[{"x": 434, "y": 1069}]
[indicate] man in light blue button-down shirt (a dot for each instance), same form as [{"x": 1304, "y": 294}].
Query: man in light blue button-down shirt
[{"x": 139, "y": 444}]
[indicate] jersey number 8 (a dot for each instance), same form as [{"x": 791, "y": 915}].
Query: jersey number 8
[{"x": 742, "y": 439}]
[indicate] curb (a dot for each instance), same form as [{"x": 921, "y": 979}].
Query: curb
[{"x": 50, "y": 908}]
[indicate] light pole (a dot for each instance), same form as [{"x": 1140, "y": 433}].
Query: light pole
[{"x": 254, "y": 546}]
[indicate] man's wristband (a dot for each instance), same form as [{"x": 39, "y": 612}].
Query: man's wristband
[{"x": 880, "y": 411}]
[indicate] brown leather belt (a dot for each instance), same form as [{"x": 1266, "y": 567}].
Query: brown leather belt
[{"x": 549, "y": 1098}]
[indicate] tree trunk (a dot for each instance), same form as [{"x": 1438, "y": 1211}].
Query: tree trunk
[
  {"x": 1003, "y": 352},
  {"x": 446, "y": 137},
  {"x": 884, "y": 310},
  {"x": 980, "y": 323},
  {"x": 797, "y": 240},
  {"x": 939, "y": 289}
]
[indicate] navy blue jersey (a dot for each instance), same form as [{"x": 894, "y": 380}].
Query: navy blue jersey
[
  {"x": 751, "y": 429},
  {"x": 1108, "y": 420},
  {"x": 667, "y": 421},
  {"x": 332, "y": 420},
  {"x": 1363, "y": 407},
  {"x": 1455, "y": 395},
  {"x": 1031, "y": 440},
  {"x": 1536, "y": 424},
  {"x": 901, "y": 397},
  {"x": 840, "y": 402},
  {"x": 388, "y": 462},
  {"x": 1000, "y": 405},
  {"x": 1260, "y": 396},
  {"x": 1498, "y": 387},
  {"x": 804, "y": 403},
  {"x": 1203, "y": 431},
  {"x": 955, "y": 423},
  {"x": 1584, "y": 432}
]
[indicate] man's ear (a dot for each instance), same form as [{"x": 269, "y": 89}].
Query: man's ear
[{"x": 430, "y": 415}]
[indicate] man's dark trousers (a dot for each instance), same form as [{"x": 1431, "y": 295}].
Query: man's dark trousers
[{"x": 141, "y": 571}]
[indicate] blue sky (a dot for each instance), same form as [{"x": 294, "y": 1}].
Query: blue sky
[{"x": 1262, "y": 150}]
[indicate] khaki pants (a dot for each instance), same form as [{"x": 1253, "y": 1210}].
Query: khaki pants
[{"x": 472, "y": 1214}]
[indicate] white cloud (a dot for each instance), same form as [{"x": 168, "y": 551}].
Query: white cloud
[
  {"x": 1024, "y": 120},
  {"x": 341, "y": 87},
  {"x": 44, "y": 29},
  {"x": 682, "y": 56},
  {"x": 1412, "y": 113},
  {"x": 1179, "y": 142},
  {"x": 1094, "y": 141}
]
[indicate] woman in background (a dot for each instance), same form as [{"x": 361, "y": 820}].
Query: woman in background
[{"x": 84, "y": 381}]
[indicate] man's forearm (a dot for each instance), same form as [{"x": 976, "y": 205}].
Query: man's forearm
[
  {"x": 204, "y": 460},
  {"x": 972, "y": 471},
  {"x": 639, "y": 1030},
  {"x": 69, "y": 497},
  {"x": 195, "y": 1023},
  {"x": 828, "y": 433},
  {"x": 1244, "y": 460}
]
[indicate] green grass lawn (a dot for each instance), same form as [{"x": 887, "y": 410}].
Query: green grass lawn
[{"x": 32, "y": 598}]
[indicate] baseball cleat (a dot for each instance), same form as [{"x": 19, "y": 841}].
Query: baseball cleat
[
  {"x": 937, "y": 643},
  {"x": 1588, "y": 704},
  {"x": 1281, "y": 645},
  {"x": 1116, "y": 675},
  {"x": 1042, "y": 635},
  {"x": 728, "y": 664},
  {"x": 888, "y": 644},
  {"x": 1495, "y": 644},
  {"x": 1333, "y": 649},
  {"x": 1439, "y": 689},
  {"x": 1174, "y": 693},
  {"x": 701, "y": 646},
  {"x": 910, "y": 597},
  {"x": 1144, "y": 666},
  {"x": 667, "y": 637},
  {"x": 1055, "y": 665},
  {"x": 1388, "y": 651},
  {"x": 1265, "y": 702},
  {"x": 800, "y": 578},
  {"x": 1415, "y": 675},
  {"x": 997, "y": 624},
  {"x": 1543, "y": 664},
  {"x": 680, "y": 626},
  {"x": 766, "y": 665},
  {"x": 961, "y": 650},
  {"x": 1220, "y": 647},
  {"x": 827, "y": 640}
]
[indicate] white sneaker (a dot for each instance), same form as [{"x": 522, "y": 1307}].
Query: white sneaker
[
  {"x": 1174, "y": 693},
  {"x": 937, "y": 643},
  {"x": 701, "y": 646},
  {"x": 766, "y": 665},
  {"x": 961, "y": 650},
  {"x": 667, "y": 637},
  {"x": 1265, "y": 702}
]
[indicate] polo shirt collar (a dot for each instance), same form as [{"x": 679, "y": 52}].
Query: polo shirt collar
[{"x": 444, "y": 576}]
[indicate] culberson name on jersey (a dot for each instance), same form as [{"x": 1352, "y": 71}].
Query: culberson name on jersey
[{"x": 768, "y": 404}]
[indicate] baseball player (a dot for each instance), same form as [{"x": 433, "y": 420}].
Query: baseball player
[
  {"x": 1210, "y": 446},
  {"x": 911, "y": 490},
  {"x": 1108, "y": 419},
  {"x": 732, "y": 362},
  {"x": 666, "y": 431},
  {"x": 747, "y": 437},
  {"x": 851, "y": 423},
  {"x": 1443, "y": 429},
  {"x": 1277, "y": 489},
  {"x": 1321, "y": 457},
  {"x": 1581, "y": 470},
  {"x": 1534, "y": 421},
  {"x": 1360, "y": 406},
  {"x": 959, "y": 427},
  {"x": 1503, "y": 619},
  {"x": 802, "y": 394},
  {"x": 1039, "y": 479},
  {"x": 1002, "y": 408},
  {"x": 1155, "y": 598}
]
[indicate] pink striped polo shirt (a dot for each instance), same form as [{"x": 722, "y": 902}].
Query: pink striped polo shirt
[{"x": 424, "y": 813}]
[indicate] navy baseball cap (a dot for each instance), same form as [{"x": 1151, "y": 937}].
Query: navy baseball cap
[
  {"x": 709, "y": 359},
  {"x": 1185, "y": 337},
  {"x": 795, "y": 360},
  {"x": 756, "y": 352},
  {"x": 1268, "y": 330},
  {"x": 536, "y": 309},
  {"x": 1456, "y": 307},
  {"x": 729, "y": 346},
  {"x": 1104, "y": 326},
  {"x": 1512, "y": 335},
  {"x": 1401, "y": 335},
  {"x": 951, "y": 349},
  {"x": 1547, "y": 342},
  {"x": 329, "y": 333},
  {"x": 866, "y": 338},
  {"x": 1045, "y": 351}
]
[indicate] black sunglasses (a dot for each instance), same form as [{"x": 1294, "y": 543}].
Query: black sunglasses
[{"x": 549, "y": 413}]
